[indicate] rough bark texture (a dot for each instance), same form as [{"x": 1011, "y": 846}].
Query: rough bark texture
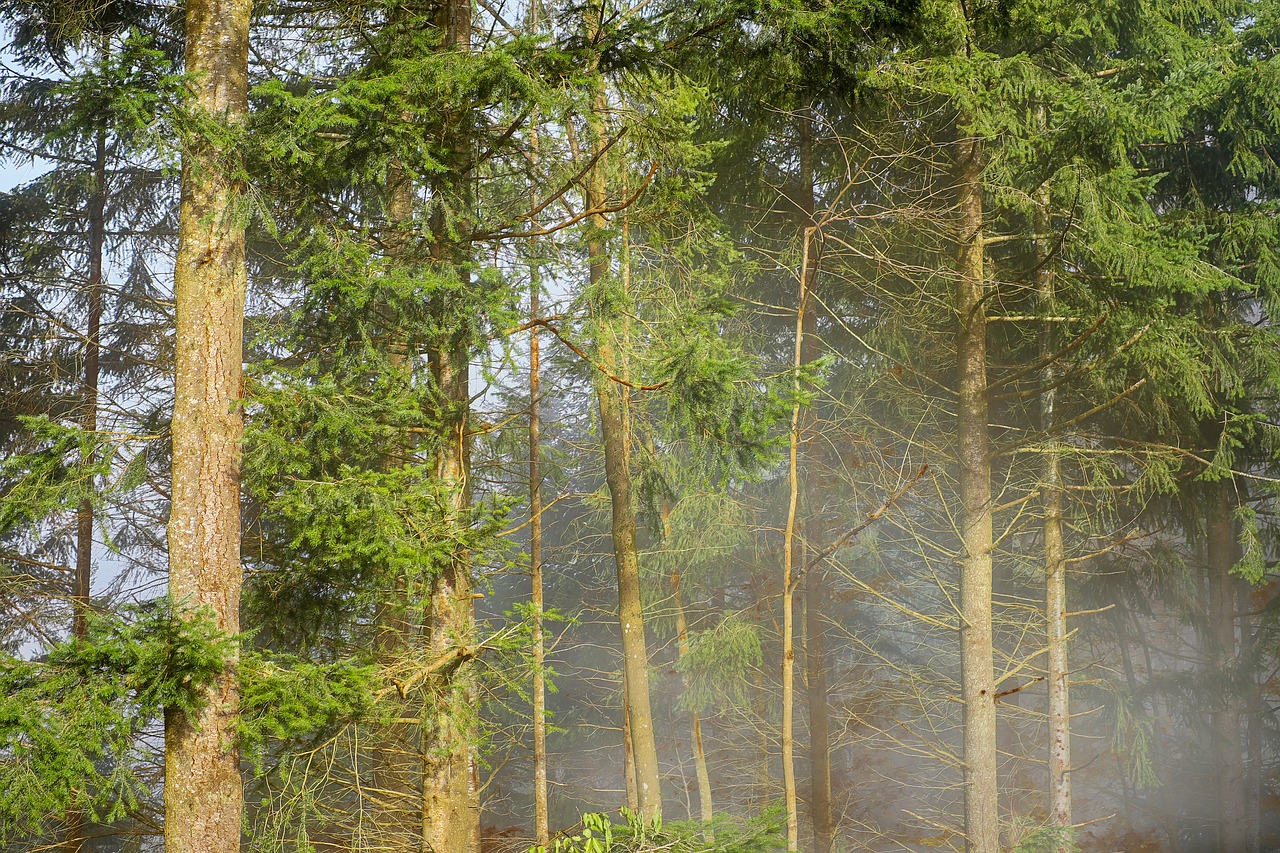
[
  {"x": 1223, "y": 545},
  {"x": 981, "y": 803},
  {"x": 203, "y": 795},
  {"x": 450, "y": 807},
  {"x": 395, "y": 772}
]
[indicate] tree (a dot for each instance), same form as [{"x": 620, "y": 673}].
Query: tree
[{"x": 203, "y": 789}]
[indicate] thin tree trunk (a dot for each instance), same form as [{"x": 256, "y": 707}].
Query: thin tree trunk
[
  {"x": 203, "y": 793},
  {"x": 81, "y": 587},
  {"x": 542, "y": 830},
  {"x": 977, "y": 666},
  {"x": 817, "y": 593},
  {"x": 1228, "y": 745},
  {"x": 788, "y": 567},
  {"x": 760, "y": 791},
  {"x": 615, "y": 434},
  {"x": 1055, "y": 568},
  {"x": 1254, "y": 711},
  {"x": 695, "y": 724},
  {"x": 811, "y": 508}
]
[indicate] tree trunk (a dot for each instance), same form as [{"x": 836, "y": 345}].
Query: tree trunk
[
  {"x": 615, "y": 434},
  {"x": 981, "y": 803},
  {"x": 450, "y": 795},
  {"x": 82, "y": 582},
  {"x": 541, "y": 822},
  {"x": 1228, "y": 744},
  {"x": 789, "y": 547},
  {"x": 1055, "y": 566},
  {"x": 817, "y": 593},
  {"x": 695, "y": 724},
  {"x": 203, "y": 794},
  {"x": 811, "y": 507}
]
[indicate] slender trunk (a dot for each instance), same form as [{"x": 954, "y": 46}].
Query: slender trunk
[
  {"x": 1254, "y": 712},
  {"x": 1228, "y": 745},
  {"x": 616, "y": 436},
  {"x": 811, "y": 504},
  {"x": 977, "y": 667},
  {"x": 760, "y": 791},
  {"x": 542, "y": 831},
  {"x": 817, "y": 594},
  {"x": 203, "y": 794},
  {"x": 1055, "y": 566},
  {"x": 695, "y": 724},
  {"x": 81, "y": 587},
  {"x": 789, "y": 547}
]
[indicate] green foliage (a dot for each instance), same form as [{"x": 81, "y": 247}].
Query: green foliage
[
  {"x": 285, "y": 699},
  {"x": 1048, "y": 839},
  {"x": 719, "y": 663},
  {"x": 599, "y": 834},
  {"x": 68, "y": 723}
]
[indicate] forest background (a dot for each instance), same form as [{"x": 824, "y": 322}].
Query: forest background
[{"x": 437, "y": 426}]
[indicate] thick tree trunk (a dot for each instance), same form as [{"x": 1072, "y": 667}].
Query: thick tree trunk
[
  {"x": 450, "y": 795},
  {"x": 395, "y": 774},
  {"x": 977, "y": 667},
  {"x": 203, "y": 795},
  {"x": 1227, "y": 741},
  {"x": 615, "y": 435}
]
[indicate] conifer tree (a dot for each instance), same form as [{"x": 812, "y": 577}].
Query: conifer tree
[{"x": 203, "y": 788}]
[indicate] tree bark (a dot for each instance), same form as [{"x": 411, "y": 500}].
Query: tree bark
[
  {"x": 977, "y": 667},
  {"x": 82, "y": 582},
  {"x": 817, "y": 592},
  {"x": 1223, "y": 551},
  {"x": 811, "y": 508},
  {"x": 203, "y": 794},
  {"x": 615, "y": 435},
  {"x": 695, "y": 724},
  {"x": 789, "y": 547},
  {"x": 1055, "y": 566},
  {"x": 541, "y": 821},
  {"x": 450, "y": 795}
]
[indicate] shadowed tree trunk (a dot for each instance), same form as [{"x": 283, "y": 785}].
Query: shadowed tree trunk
[
  {"x": 203, "y": 794},
  {"x": 1228, "y": 745},
  {"x": 82, "y": 581},
  {"x": 812, "y": 506}
]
